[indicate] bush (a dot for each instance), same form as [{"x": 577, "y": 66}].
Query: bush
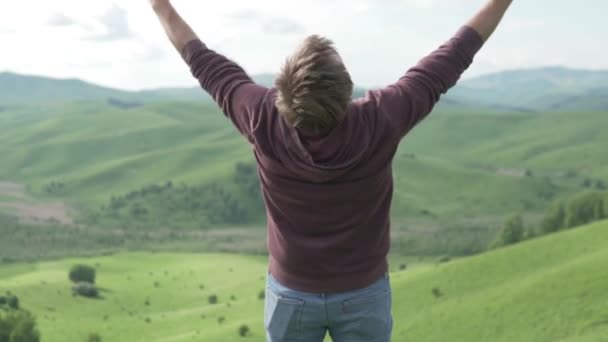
[
  {"x": 437, "y": 292},
  {"x": 512, "y": 232},
  {"x": 87, "y": 290},
  {"x": 243, "y": 330},
  {"x": 402, "y": 267},
  {"x": 10, "y": 301},
  {"x": 262, "y": 295},
  {"x": 212, "y": 299},
  {"x": 18, "y": 326},
  {"x": 82, "y": 273},
  {"x": 94, "y": 337},
  {"x": 221, "y": 320}
]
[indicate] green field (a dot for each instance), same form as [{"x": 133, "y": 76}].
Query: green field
[
  {"x": 549, "y": 289},
  {"x": 97, "y": 151}
]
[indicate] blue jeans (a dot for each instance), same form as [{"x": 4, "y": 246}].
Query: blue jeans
[{"x": 362, "y": 315}]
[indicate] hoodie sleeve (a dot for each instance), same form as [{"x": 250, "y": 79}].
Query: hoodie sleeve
[
  {"x": 406, "y": 102},
  {"x": 229, "y": 85}
]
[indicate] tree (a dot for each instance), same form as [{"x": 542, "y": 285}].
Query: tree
[
  {"x": 585, "y": 208},
  {"x": 25, "y": 330},
  {"x": 512, "y": 232},
  {"x": 18, "y": 326},
  {"x": 554, "y": 219},
  {"x": 82, "y": 273}
]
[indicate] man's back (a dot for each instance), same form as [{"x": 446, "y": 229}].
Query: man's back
[{"x": 328, "y": 196}]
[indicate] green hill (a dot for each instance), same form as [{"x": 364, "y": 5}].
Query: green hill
[
  {"x": 85, "y": 153},
  {"x": 98, "y": 151},
  {"x": 549, "y": 289}
]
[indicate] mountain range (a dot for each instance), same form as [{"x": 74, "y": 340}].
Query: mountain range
[{"x": 524, "y": 90}]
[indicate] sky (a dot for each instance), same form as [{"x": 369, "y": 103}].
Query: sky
[{"x": 119, "y": 43}]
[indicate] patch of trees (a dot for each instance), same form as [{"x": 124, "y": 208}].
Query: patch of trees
[
  {"x": 579, "y": 210},
  {"x": 56, "y": 188},
  {"x": 83, "y": 277},
  {"x": 16, "y": 324},
  {"x": 121, "y": 104},
  {"x": 594, "y": 184},
  {"x": 237, "y": 201}
]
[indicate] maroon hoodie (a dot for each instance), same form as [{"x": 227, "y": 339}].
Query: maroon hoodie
[{"x": 328, "y": 198}]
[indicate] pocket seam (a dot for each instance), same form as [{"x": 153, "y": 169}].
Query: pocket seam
[{"x": 364, "y": 300}]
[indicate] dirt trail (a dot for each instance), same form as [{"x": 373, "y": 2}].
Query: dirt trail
[
  {"x": 12, "y": 189},
  {"x": 30, "y": 211}
]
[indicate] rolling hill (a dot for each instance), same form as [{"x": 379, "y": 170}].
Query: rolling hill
[
  {"x": 100, "y": 151},
  {"x": 547, "y": 289},
  {"x": 541, "y": 89}
]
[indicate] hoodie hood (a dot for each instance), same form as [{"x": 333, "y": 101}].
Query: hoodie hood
[{"x": 318, "y": 159}]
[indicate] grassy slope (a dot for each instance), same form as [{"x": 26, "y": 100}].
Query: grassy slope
[
  {"x": 550, "y": 289},
  {"x": 100, "y": 151}
]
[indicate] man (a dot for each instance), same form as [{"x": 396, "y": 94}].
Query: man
[{"x": 325, "y": 166}]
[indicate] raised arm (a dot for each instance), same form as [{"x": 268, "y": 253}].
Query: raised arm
[
  {"x": 229, "y": 85},
  {"x": 178, "y": 31},
  {"x": 413, "y": 97},
  {"x": 487, "y": 20}
]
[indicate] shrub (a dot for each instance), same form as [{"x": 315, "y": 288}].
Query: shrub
[
  {"x": 243, "y": 330},
  {"x": 94, "y": 337},
  {"x": 82, "y": 273},
  {"x": 262, "y": 295},
  {"x": 437, "y": 292},
  {"x": 87, "y": 290},
  {"x": 221, "y": 320},
  {"x": 212, "y": 299},
  {"x": 402, "y": 267},
  {"x": 12, "y": 302}
]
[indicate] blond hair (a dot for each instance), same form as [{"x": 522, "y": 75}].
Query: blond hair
[{"x": 314, "y": 87}]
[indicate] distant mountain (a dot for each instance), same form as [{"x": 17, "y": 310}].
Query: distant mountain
[
  {"x": 542, "y": 89},
  {"x": 27, "y": 89},
  {"x": 526, "y": 90},
  {"x": 19, "y": 89}
]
